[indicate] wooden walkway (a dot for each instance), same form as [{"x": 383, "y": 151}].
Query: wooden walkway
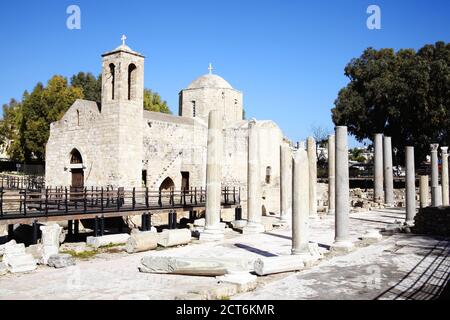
[{"x": 57, "y": 204}]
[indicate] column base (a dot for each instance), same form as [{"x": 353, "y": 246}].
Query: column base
[
  {"x": 308, "y": 253},
  {"x": 212, "y": 235},
  {"x": 342, "y": 246},
  {"x": 304, "y": 250},
  {"x": 253, "y": 227},
  {"x": 409, "y": 223}
]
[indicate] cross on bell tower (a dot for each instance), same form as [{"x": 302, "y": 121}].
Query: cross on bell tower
[
  {"x": 210, "y": 68},
  {"x": 123, "y": 38}
]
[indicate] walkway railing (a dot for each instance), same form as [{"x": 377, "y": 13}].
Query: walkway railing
[{"x": 72, "y": 201}]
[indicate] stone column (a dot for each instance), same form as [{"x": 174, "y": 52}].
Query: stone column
[
  {"x": 331, "y": 174},
  {"x": 285, "y": 183},
  {"x": 444, "y": 176},
  {"x": 213, "y": 230},
  {"x": 424, "y": 191},
  {"x": 300, "y": 202},
  {"x": 410, "y": 186},
  {"x": 50, "y": 241},
  {"x": 388, "y": 174},
  {"x": 378, "y": 193},
  {"x": 342, "y": 240},
  {"x": 436, "y": 197},
  {"x": 312, "y": 158},
  {"x": 254, "y": 210}
]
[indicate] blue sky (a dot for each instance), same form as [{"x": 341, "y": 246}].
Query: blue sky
[{"x": 287, "y": 57}]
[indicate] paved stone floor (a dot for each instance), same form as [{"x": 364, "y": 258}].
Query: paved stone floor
[{"x": 402, "y": 266}]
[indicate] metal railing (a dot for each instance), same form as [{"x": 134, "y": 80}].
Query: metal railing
[
  {"x": 71, "y": 201},
  {"x": 30, "y": 183}
]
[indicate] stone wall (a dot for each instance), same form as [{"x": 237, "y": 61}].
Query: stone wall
[
  {"x": 433, "y": 221},
  {"x": 229, "y": 101}
]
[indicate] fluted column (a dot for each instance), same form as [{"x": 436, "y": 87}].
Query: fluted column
[
  {"x": 214, "y": 162},
  {"x": 300, "y": 202},
  {"x": 312, "y": 158},
  {"x": 410, "y": 186},
  {"x": 285, "y": 183},
  {"x": 378, "y": 193},
  {"x": 436, "y": 196},
  {"x": 331, "y": 174},
  {"x": 254, "y": 211},
  {"x": 444, "y": 176},
  {"x": 342, "y": 239},
  {"x": 388, "y": 174}
]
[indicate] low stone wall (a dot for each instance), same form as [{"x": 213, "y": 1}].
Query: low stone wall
[{"x": 433, "y": 221}]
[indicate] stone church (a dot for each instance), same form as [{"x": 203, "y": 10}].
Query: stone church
[{"x": 119, "y": 144}]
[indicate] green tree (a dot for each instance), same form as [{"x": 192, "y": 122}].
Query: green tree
[
  {"x": 404, "y": 94},
  {"x": 91, "y": 86},
  {"x": 10, "y": 129},
  {"x": 38, "y": 109},
  {"x": 356, "y": 154},
  {"x": 153, "y": 102}
]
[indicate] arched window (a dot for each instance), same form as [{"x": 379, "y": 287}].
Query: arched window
[
  {"x": 167, "y": 184},
  {"x": 112, "y": 70},
  {"x": 132, "y": 81},
  {"x": 268, "y": 174},
  {"x": 76, "y": 157},
  {"x": 78, "y": 117}
]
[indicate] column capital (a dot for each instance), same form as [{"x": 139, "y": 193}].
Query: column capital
[
  {"x": 434, "y": 147},
  {"x": 444, "y": 150}
]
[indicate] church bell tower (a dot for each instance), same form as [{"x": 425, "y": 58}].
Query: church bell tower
[
  {"x": 122, "y": 76},
  {"x": 122, "y": 110}
]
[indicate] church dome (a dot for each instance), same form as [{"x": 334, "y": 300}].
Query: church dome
[{"x": 210, "y": 81}]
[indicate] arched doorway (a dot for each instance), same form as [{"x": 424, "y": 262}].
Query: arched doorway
[
  {"x": 167, "y": 184},
  {"x": 76, "y": 162}
]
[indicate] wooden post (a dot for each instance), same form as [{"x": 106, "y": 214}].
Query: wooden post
[
  {"x": 149, "y": 221},
  {"x": 66, "y": 204},
  {"x": 70, "y": 227},
  {"x": 25, "y": 203},
  {"x": 77, "y": 227},
  {"x": 96, "y": 227},
  {"x": 146, "y": 198},
  {"x": 160, "y": 198},
  {"x": 1, "y": 200},
  {"x": 10, "y": 232},
  {"x": 143, "y": 222},
  {"x": 118, "y": 199},
  {"x": 101, "y": 200},
  {"x": 35, "y": 232},
  {"x": 46, "y": 201},
  {"x": 85, "y": 200},
  {"x": 102, "y": 226}
]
